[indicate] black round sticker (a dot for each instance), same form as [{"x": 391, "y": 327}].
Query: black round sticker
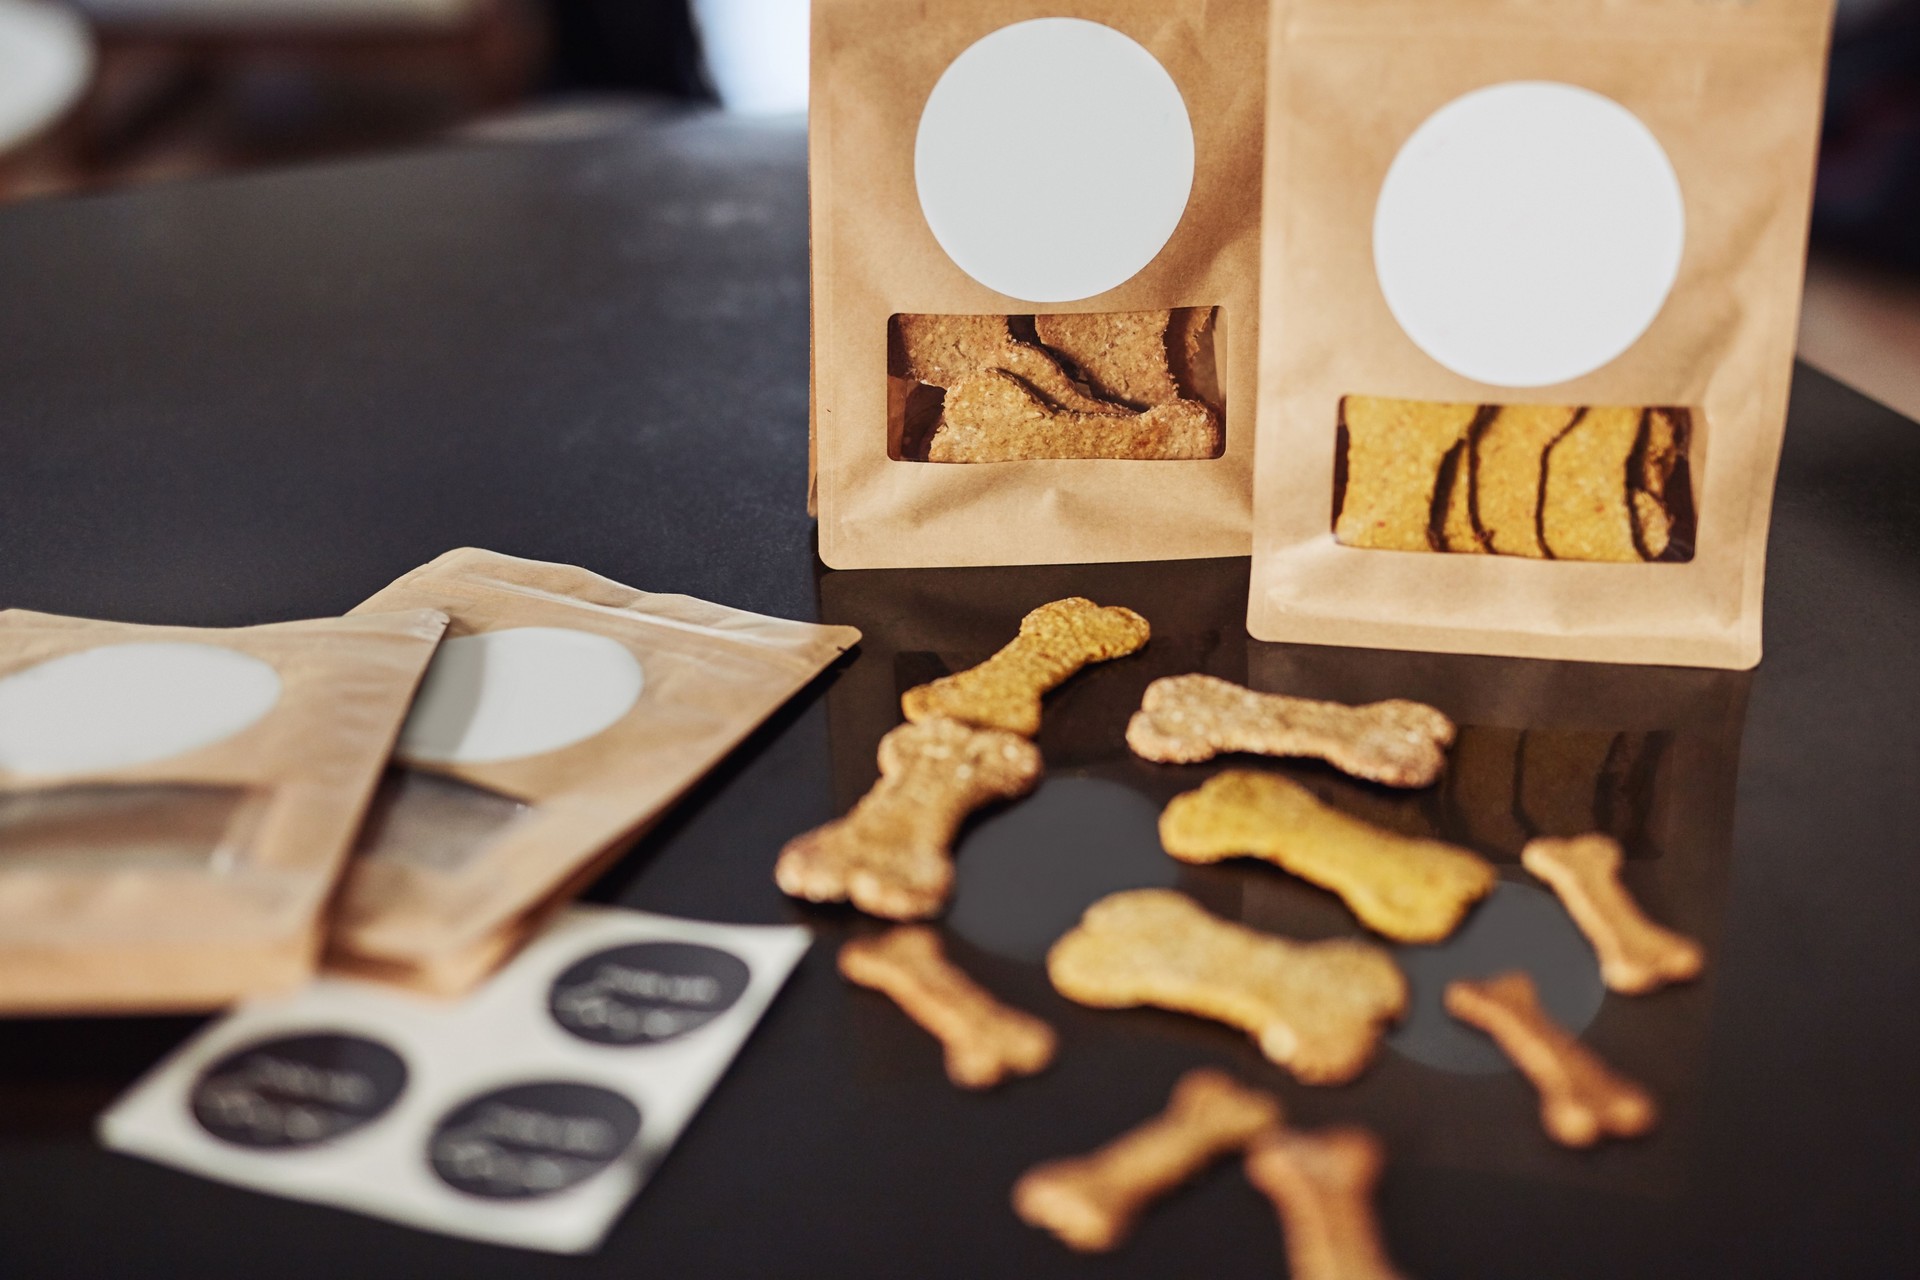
[
  {"x": 647, "y": 992},
  {"x": 297, "y": 1091},
  {"x": 531, "y": 1140}
]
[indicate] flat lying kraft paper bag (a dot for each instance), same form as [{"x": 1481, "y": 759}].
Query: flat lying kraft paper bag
[
  {"x": 176, "y": 803},
  {"x": 563, "y": 715},
  {"x": 1533, "y": 274},
  {"x": 1035, "y": 250}
]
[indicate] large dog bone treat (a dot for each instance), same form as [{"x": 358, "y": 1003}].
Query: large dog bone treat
[
  {"x": 985, "y": 1041},
  {"x": 1509, "y": 452},
  {"x": 1122, "y": 353},
  {"x": 1321, "y": 1184},
  {"x": 1581, "y": 1098},
  {"x": 1054, "y": 642},
  {"x": 945, "y": 351},
  {"x": 1315, "y": 1008},
  {"x": 995, "y": 417},
  {"x": 1409, "y": 889},
  {"x": 891, "y": 854},
  {"x": 1394, "y": 452},
  {"x": 1186, "y": 719},
  {"x": 1091, "y": 1202},
  {"x": 1636, "y": 955}
]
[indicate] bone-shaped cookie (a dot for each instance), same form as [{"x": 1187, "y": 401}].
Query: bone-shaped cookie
[
  {"x": 891, "y": 855},
  {"x": 1636, "y": 955},
  {"x": 1581, "y": 1098},
  {"x": 1321, "y": 1184},
  {"x": 1186, "y": 719},
  {"x": 1090, "y": 1202},
  {"x": 995, "y": 417},
  {"x": 1315, "y": 1008},
  {"x": 1123, "y": 354},
  {"x": 1054, "y": 642},
  {"x": 945, "y": 351},
  {"x": 985, "y": 1041},
  {"x": 1409, "y": 889}
]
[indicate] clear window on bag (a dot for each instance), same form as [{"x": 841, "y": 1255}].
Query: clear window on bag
[
  {"x": 129, "y": 828},
  {"x": 434, "y": 823}
]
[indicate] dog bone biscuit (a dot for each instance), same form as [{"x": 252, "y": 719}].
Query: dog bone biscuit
[
  {"x": 1394, "y": 453},
  {"x": 1321, "y": 1184},
  {"x": 1091, "y": 1202},
  {"x": 1187, "y": 719},
  {"x": 1459, "y": 528},
  {"x": 985, "y": 1041},
  {"x": 1584, "y": 510},
  {"x": 1193, "y": 349},
  {"x": 1636, "y": 955},
  {"x": 891, "y": 854},
  {"x": 1315, "y": 1008},
  {"x": 1123, "y": 354},
  {"x": 1509, "y": 454},
  {"x": 1656, "y": 460},
  {"x": 1054, "y": 642},
  {"x": 995, "y": 417},
  {"x": 1581, "y": 1098},
  {"x": 1409, "y": 889},
  {"x": 945, "y": 351}
]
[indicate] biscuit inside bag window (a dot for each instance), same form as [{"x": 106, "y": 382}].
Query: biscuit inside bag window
[
  {"x": 118, "y": 828},
  {"x": 1549, "y": 482},
  {"x": 1135, "y": 385}
]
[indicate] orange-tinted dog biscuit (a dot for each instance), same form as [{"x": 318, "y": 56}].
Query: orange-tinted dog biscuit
[
  {"x": 1394, "y": 452},
  {"x": 1636, "y": 955},
  {"x": 1509, "y": 453},
  {"x": 1584, "y": 513},
  {"x": 995, "y": 417},
  {"x": 1321, "y": 1184},
  {"x": 1122, "y": 353}
]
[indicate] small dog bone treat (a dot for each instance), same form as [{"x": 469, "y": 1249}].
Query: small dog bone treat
[
  {"x": 1409, "y": 889},
  {"x": 1581, "y": 1098},
  {"x": 1321, "y": 1184},
  {"x": 1509, "y": 453},
  {"x": 891, "y": 854},
  {"x": 1395, "y": 449},
  {"x": 995, "y": 417},
  {"x": 1123, "y": 354},
  {"x": 1091, "y": 1202},
  {"x": 986, "y": 1042},
  {"x": 1636, "y": 955},
  {"x": 1315, "y": 1008},
  {"x": 945, "y": 351},
  {"x": 1187, "y": 719},
  {"x": 1054, "y": 642}
]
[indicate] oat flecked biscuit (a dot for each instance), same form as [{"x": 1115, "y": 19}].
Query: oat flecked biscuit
[
  {"x": 1584, "y": 509},
  {"x": 945, "y": 351},
  {"x": 1636, "y": 955},
  {"x": 986, "y": 1041},
  {"x": 1510, "y": 451},
  {"x": 995, "y": 417},
  {"x": 1187, "y": 719},
  {"x": 1459, "y": 526},
  {"x": 1394, "y": 453},
  {"x": 1054, "y": 642},
  {"x": 1581, "y": 1098},
  {"x": 1315, "y": 1008},
  {"x": 1123, "y": 354},
  {"x": 1193, "y": 348},
  {"x": 1409, "y": 889},
  {"x": 1321, "y": 1183},
  {"x": 891, "y": 854},
  {"x": 1091, "y": 1202}
]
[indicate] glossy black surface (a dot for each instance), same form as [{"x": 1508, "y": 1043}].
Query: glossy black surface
[{"x": 260, "y": 399}]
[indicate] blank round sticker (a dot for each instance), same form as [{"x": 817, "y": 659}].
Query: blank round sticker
[
  {"x": 1528, "y": 233},
  {"x": 1054, "y": 159},
  {"x": 128, "y": 704},
  {"x": 503, "y": 695}
]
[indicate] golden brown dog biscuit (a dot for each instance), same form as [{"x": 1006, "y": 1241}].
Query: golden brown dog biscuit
[
  {"x": 1459, "y": 529},
  {"x": 1584, "y": 512},
  {"x": 1315, "y": 1008},
  {"x": 1656, "y": 461},
  {"x": 1581, "y": 1098},
  {"x": 1123, "y": 354},
  {"x": 1321, "y": 1184},
  {"x": 1509, "y": 453},
  {"x": 1636, "y": 955},
  {"x": 985, "y": 1040},
  {"x": 1193, "y": 350},
  {"x": 1394, "y": 452},
  {"x": 1186, "y": 719},
  {"x": 995, "y": 417},
  {"x": 945, "y": 351},
  {"x": 1054, "y": 642},
  {"x": 1090, "y": 1202},
  {"x": 891, "y": 854},
  {"x": 1409, "y": 889}
]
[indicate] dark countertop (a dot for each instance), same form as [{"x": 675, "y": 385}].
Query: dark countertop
[{"x": 257, "y": 399}]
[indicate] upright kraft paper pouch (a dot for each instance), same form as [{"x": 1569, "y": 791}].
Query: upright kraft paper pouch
[
  {"x": 1532, "y": 274},
  {"x": 1035, "y": 241}
]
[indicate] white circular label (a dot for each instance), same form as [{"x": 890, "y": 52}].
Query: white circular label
[
  {"x": 502, "y": 695},
  {"x": 1054, "y": 159},
  {"x": 1528, "y": 233},
  {"x": 128, "y": 704}
]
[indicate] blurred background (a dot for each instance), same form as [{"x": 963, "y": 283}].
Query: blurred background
[{"x": 105, "y": 94}]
